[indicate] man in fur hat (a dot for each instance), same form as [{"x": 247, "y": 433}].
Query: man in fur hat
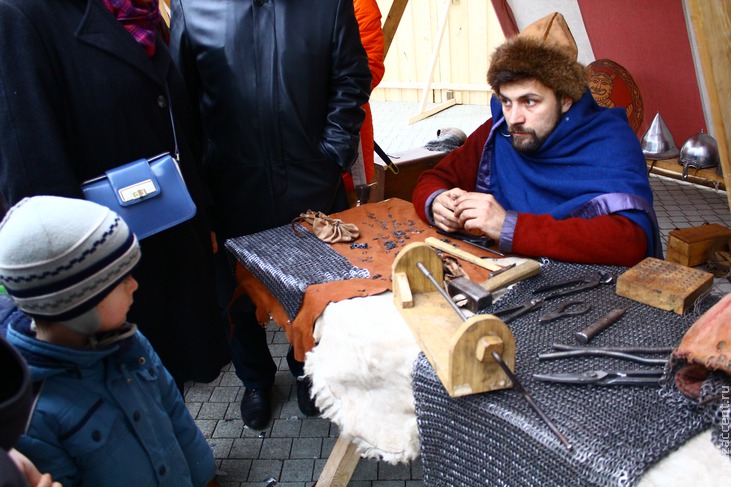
[{"x": 552, "y": 173}]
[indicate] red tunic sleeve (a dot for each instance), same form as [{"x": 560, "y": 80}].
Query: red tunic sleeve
[
  {"x": 605, "y": 239},
  {"x": 457, "y": 170}
]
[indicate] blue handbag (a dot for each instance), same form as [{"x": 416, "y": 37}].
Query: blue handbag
[{"x": 149, "y": 194}]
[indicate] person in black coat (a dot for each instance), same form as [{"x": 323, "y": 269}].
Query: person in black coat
[
  {"x": 80, "y": 95},
  {"x": 280, "y": 85}
]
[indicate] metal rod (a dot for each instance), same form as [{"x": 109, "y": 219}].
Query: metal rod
[
  {"x": 593, "y": 352},
  {"x": 530, "y": 400},
  {"x": 585, "y": 336},
  {"x": 559, "y": 346},
  {"x": 441, "y": 290}
]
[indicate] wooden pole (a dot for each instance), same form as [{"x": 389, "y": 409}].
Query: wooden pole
[
  {"x": 391, "y": 24},
  {"x": 422, "y": 112}
]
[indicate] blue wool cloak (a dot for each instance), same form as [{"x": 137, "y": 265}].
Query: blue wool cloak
[{"x": 592, "y": 164}]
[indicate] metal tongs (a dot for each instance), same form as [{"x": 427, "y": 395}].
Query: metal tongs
[
  {"x": 579, "y": 284},
  {"x": 531, "y": 304},
  {"x": 606, "y": 377}
]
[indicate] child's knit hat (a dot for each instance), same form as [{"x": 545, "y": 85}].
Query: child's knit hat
[{"x": 59, "y": 257}]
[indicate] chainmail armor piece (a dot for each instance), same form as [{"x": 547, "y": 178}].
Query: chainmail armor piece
[
  {"x": 617, "y": 432},
  {"x": 291, "y": 263}
]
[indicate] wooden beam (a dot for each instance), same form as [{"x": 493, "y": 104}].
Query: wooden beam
[
  {"x": 340, "y": 465},
  {"x": 710, "y": 22},
  {"x": 422, "y": 112},
  {"x": 391, "y": 24},
  {"x": 435, "y": 109},
  {"x": 165, "y": 12}
]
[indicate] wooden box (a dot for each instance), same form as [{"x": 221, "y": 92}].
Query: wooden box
[
  {"x": 693, "y": 246},
  {"x": 663, "y": 284},
  {"x": 410, "y": 163}
]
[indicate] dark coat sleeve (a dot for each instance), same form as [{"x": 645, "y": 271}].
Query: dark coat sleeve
[{"x": 350, "y": 87}]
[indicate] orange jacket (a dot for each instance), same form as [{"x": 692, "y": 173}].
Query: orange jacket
[{"x": 371, "y": 35}]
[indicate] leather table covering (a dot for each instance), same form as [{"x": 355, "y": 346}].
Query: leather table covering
[{"x": 386, "y": 227}]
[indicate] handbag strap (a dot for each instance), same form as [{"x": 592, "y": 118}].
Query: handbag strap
[{"x": 172, "y": 122}]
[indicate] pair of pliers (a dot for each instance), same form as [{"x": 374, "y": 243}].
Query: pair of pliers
[
  {"x": 580, "y": 284},
  {"x": 509, "y": 314},
  {"x": 606, "y": 377},
  {"x": 574, "y": 307}
]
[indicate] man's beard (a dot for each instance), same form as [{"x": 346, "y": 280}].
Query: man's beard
[{"x": 529, "y": 142}]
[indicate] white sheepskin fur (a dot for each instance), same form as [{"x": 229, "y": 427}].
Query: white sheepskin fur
[{"x": 361, "y": 376}]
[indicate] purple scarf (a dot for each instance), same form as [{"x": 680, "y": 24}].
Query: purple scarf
[{"x": 141, "y": 18}]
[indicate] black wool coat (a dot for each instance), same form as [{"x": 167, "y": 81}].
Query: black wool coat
[{"x": 78, "y": 96}]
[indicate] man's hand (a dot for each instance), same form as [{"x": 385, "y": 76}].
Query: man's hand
[
  {"x": 479, "y": 214},
  {"x": 443, "y": 208}
]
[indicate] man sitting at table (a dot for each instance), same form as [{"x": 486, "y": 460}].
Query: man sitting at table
[{"x": 551, "y": 174}]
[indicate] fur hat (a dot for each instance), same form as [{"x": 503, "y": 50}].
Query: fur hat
[
  {"x": 59, "y": 257},
  {"x": 545, "y": 51}
]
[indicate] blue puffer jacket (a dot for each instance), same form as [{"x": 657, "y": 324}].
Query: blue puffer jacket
[{"x": 110, "y": 417}]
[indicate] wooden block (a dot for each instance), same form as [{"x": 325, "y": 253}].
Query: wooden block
[
  {"x": 663, "y": 284},
  {"x": 693, "y": 246},
  {"x": 402, "y": 289}
]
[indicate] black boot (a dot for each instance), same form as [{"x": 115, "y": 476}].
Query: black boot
[
  {"x": 256, "y": 407},
  {"x": 304, "y": 397}
]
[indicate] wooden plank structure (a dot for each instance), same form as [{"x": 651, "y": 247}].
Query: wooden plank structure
[{"x": 712, "y": 26}]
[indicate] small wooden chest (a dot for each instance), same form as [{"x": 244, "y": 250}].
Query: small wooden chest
[{"x": 693, "y": 246}]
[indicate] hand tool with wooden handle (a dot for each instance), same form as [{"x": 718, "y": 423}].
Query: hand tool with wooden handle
[
  {"x": 462, "y": 254},
  {"x": 511, "y": 276},
  {"x": 479, "y": 296}
]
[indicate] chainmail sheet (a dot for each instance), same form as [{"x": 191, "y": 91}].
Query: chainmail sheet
[
  {"x": 617, "y": 432},
  {"x": 286, "y": 264}
]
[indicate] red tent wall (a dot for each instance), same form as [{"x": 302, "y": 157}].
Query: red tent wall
[{"x": 651, "y": 40}]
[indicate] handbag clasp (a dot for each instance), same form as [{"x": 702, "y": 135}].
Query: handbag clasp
[{"x": 137, "y": 191}]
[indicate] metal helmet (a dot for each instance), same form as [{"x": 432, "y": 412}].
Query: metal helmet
[
  {"x": 699, "y": 151},
  {"x": 658, "y": 143}
]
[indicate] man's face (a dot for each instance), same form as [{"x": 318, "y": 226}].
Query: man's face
[{"x": 532, "y": 111}]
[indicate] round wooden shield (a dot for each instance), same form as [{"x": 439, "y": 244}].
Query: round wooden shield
[{"x": 612, "y": 86}]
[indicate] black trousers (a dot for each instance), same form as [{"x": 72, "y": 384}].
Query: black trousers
[{"x": 250, "y": 353}]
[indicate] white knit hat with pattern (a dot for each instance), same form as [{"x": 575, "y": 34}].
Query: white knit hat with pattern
[{"x": 59, "y": 257}]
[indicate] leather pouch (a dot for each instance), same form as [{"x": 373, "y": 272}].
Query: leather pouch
[{"x": 330, "y": 230}]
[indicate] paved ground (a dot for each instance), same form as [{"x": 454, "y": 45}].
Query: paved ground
[{"x": 294, "y": 449}]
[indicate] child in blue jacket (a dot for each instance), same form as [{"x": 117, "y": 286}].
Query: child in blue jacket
[{"x": 107, "y": 412}]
